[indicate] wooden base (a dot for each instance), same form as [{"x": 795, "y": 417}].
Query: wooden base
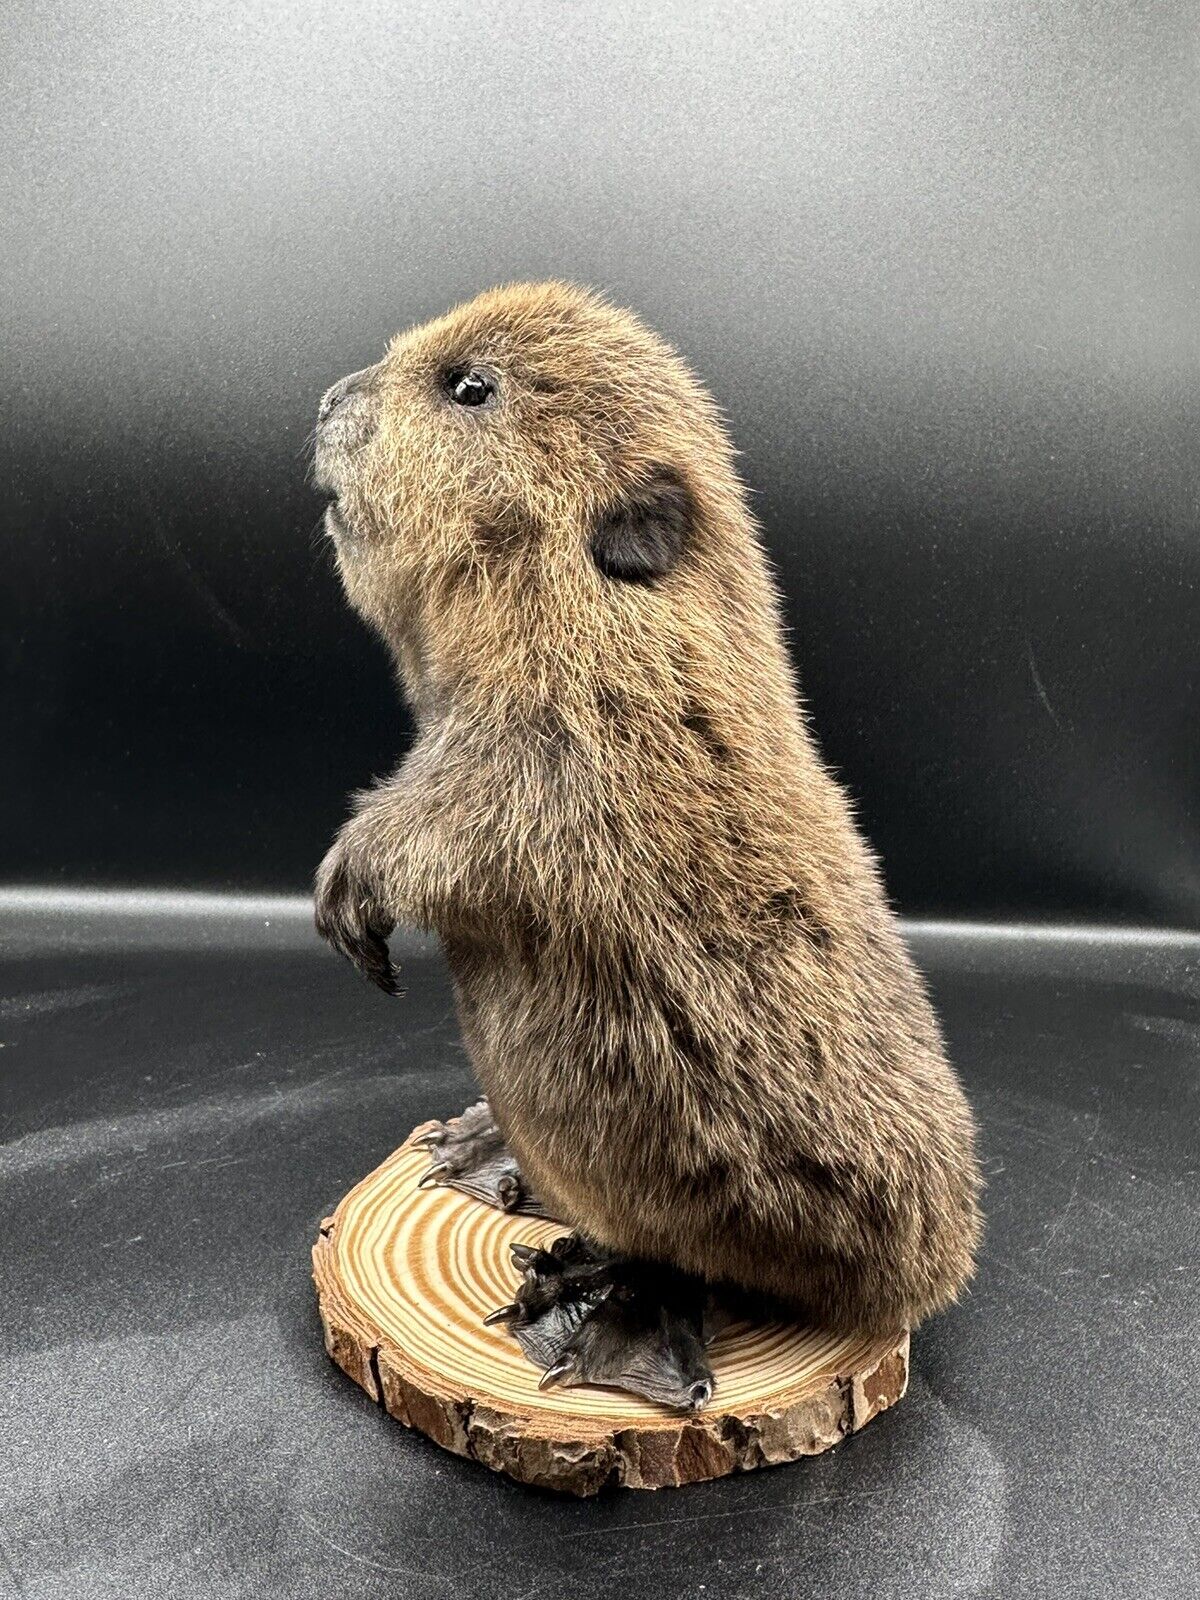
[{"x": 405, "y": 1277}]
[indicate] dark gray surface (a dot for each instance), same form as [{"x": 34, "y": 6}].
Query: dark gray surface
[
  {"x": 186, "y": 1095},
  {"x": 936, "y": 260}
]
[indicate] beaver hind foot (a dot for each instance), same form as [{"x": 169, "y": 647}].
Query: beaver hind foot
[
  {"x": 582, "y": 1314},
  {"x": 588, "y": 1317},
  {"x": 468, "y": 1153}
]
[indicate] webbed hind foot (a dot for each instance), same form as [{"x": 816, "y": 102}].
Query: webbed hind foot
[
  {"x": 469, "y": 1154},
  {"x": 588, "y": 1317}
]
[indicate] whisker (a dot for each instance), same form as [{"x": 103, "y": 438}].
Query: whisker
[
  {"x": 308, "y": 451},
  {"x": 321, "y": 546}
]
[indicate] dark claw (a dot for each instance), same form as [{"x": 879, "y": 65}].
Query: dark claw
[
  {"x": 428, "y": 1140},
  {"x": 430, "y": 1178},
  {"x": 563, "y": 1368},
  {"x": 367, "y": 950},
  {"x": 524, "y": 1254},
  {"x": 509, "y": 1313}
]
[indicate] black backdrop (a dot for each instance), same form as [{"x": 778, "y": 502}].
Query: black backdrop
[{"x": 938, "y": 263}]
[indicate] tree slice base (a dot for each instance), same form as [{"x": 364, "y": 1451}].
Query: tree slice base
[{"x": 405, "y": 1277}]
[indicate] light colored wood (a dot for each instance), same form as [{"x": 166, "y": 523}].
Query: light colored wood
[{"x": 405, "y": 1277}]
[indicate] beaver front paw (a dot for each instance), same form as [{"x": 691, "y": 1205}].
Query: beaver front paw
[
  {"x": 589, "y": 1317},
  {"x": 350, "y": 917},
  {"x": 469, "y": 1154}
]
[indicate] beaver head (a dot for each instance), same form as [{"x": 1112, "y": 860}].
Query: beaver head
[{"x": 532, "y": 472}]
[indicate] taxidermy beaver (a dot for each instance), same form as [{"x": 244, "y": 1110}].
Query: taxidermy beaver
[{"x": 703, "y": 1044}]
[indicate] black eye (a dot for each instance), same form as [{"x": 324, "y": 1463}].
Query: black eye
[{"x": 471, "y": 388}]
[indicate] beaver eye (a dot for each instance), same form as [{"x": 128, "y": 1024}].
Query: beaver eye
[{"x": 471, "y": 388}]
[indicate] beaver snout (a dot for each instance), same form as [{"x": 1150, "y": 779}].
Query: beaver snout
[
  {"x": 345, "y": 389},
  {"x": 346, "y": 419}
]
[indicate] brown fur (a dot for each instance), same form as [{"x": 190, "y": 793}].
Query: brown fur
[{"x": 679, "y": 981}]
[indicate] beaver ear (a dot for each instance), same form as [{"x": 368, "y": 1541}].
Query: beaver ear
[{"x": 643, "y": 536}]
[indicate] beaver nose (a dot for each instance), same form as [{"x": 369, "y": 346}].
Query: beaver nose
[{"x": 340, "y": 392}]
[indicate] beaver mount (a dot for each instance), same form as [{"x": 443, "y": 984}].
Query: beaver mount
[{"x": 702, "y": 1042}]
